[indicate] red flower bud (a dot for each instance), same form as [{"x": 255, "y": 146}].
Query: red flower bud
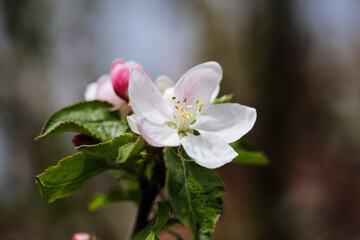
[{"x": 83, "y": 139}]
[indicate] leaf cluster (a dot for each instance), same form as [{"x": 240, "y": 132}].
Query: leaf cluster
[{"x": 193, "y": 193}]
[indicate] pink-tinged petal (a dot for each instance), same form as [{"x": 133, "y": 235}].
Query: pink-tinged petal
[
  {"x": 229, "y": 121},
  {"x": 208, "y": 150},
  {"x": 157, "y": 135},
  {"x": 200, "y": 82},
  {"x": 146, "y": 98},
  {"x": 120, "y": 73},
  {"x": 81, "y": 236},
  {"x": 90, "y": 92},
  {"x": 105, "y": 92},
  {"x": 132, "y": 123},
  {"x": 132, "y": 65}
]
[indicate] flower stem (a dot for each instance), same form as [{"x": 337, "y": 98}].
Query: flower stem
[{"x": 149, "y": 190}]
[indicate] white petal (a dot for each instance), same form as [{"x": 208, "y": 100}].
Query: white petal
[
  {"x": 207, "y": 150},
  {"x": 90, "y": 92},
  {"x": 157, "y": 135},
  {"x": 199, "y": 82},
  {"x": 147, "y": 99},
  {"x": 215, "y": 93},
  {"x": 163, "y": 82},
  {"x": 229, "y": 121},
  {"x": 132, "y": 123},
  {"x": 168, "y": 94}
]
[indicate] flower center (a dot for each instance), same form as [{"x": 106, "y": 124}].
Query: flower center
[{"x": 186, "y": 114}]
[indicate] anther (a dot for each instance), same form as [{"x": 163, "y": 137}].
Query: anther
[
  {"x": 182, "y": 108},
  {"x": 201, "y": 105},
  {"x": 184, "y": 100},
  {"x": 173, "y": 98},
  {"x": 189, "y": 106},
  {"x": 204, "y": 114},
  {"x": 177, "y": 107},
  {"x": 196, "y": 101},
  {"x": 199, "y": 109},
  {"x": 178, "y": 101}
]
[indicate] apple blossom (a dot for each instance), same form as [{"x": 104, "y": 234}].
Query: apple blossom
[
  {"x": 184, "y": 115},
  {"x": 103, "y": 89},
  {"x": 120, "y": 72}
]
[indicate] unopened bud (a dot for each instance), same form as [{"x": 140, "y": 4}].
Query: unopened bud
[
  {"x": 83, "y": 139},
  {"x": 120, "y": 73},
  {"x": 81, "y": 236}
]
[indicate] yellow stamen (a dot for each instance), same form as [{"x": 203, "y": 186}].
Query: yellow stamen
[
  {"x": 204, "y": 114},
  {"x": 189, "y": 106},
  {"x": 197, "y": 101},
  {"x": 182, "y": 109},
  {"x": 191, "y": 114},
  {"x": 199, "y": 109},
  {"x": 184, "y": 100},
  {"x": 173, "y": 98},
  {"x": 177, "y": 107},
  {"x": 201, "y": 105},
  {"x": 178, "y": 101}
]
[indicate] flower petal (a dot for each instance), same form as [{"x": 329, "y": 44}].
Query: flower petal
[
  {"x": 132, "y": 123},
  {"x": 199, "y": 82},
  {"x": 229, "y": 121},
  {"x": 157, "y": 135},
  {"x": 167, "y": 96},
  {"x": 163, "y": 82},
  {"x": 90, "y": 92},
  {"x": 147, "y": 99},
  {"x": 106, "y": 92},
  {"x": 208, "y": 150},
  {"x": 215, "y": 93}
]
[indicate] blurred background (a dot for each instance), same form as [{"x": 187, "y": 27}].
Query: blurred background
[{"x": 296, "y": 61}]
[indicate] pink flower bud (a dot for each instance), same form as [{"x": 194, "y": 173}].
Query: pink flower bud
[
  {"x": 81, "y": 236},
  {"x": 120, "y": 73}
]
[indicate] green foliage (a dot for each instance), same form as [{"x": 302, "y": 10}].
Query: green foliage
[
  {"x": 151, "y": 231},
  {"x": 195, "y": 194},
  {"x": 129, "y": 150},
  {"x": 114, "y": 195},
  {"x": 224, "y": 99},
  {"x": 248, "y": 154},
  {"x": 110, "y": 148},
  {"x": 68, "y": 175},
  {"x": 90, "y": 117}
]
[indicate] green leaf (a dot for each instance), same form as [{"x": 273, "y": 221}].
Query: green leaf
[
  {"x": 90, "y": 117},
  {"x": 248, "y": 154},
  {"x": 224, "y": 99},
  {"x": 195, "y": 194},
  {"x": 110, "y": 148},
  {"x": 68, "y": 175},
  {"x": 114, "y": 195},
  {"x": 151, "y": 231},
  {"x": 130, "y": 150}
]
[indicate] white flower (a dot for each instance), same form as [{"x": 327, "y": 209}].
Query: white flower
[{"x": 184, "y": 115}]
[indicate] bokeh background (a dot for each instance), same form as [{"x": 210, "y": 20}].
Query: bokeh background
[{"x": 296, "y": 61}]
